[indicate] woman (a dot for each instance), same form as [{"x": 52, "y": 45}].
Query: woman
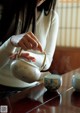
[{"x": 28, "y": 30}]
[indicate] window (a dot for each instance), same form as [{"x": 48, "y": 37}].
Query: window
[{"x": 69, "y": 0}]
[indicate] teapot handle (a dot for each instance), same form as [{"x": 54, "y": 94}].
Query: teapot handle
[{"x": 19, "y": 52}]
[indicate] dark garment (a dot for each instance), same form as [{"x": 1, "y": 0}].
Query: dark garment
[{"x": 7, "y": 91}]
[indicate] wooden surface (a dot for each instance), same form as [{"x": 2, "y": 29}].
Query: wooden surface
[
  {"x": 65, "y": 59},
  {"x": 39, "y": 100}
]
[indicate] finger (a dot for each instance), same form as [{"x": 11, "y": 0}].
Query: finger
[
  {"x": 27, "y": 43},
  {"x": 31, "y": 58},
  {"x": 24, "y": 54},
  {"x": 30, "y": 40},
  {"x": 22, "y": 45},
  {"x": 39, "y": 44}
]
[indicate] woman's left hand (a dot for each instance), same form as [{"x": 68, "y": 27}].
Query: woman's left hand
[{"x": 25, "y": 56}]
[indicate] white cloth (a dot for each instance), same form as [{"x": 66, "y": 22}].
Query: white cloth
[{"x": 46, "y": 32}]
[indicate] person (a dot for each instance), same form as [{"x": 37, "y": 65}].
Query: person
[{"x": 28, "y": 36}]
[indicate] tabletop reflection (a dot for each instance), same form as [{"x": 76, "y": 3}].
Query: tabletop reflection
[
  {"x": 75, "y": 98},
  {"x": 52, "y": 98}
]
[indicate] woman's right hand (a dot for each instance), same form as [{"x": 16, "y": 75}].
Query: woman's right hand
[{"x": 26, "y": 41}]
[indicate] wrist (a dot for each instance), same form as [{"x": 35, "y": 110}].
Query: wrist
[{"x": 11, "y": 41}]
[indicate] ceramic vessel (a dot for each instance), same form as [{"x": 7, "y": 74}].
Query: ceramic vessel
[
  {"x": 76, "y": 81},
  {"x": 25, "y": 71},
  {"x": 52, "y": 81}
]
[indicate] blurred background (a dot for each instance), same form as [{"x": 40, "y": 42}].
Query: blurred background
[
  {"x": 69, "y": 31},
  {"x": 67, "y": 53}
]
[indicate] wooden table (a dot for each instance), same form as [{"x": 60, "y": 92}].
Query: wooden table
[{"x": 38, "y": 100}]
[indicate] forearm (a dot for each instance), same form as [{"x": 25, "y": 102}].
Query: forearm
[{"x": 5, "y": 51}]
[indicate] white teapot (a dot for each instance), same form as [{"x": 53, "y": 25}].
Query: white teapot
[{"x": 25, "y": 71}]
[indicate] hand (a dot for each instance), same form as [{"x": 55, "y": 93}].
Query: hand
[
  {"x": 25, "y": 56},
  {"x": 26, "y": 41}
]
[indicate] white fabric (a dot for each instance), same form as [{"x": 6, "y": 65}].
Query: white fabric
[{"x": 46, "y": 32}]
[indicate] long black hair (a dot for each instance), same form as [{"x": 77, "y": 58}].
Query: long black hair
[
  {"x": 47, "y": 5},
  {"x": 12, "y": 8}
]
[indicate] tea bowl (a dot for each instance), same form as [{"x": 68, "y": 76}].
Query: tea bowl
[
  {"x": 76, "y": 81},
  {"x": 52, "y": 81}
]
